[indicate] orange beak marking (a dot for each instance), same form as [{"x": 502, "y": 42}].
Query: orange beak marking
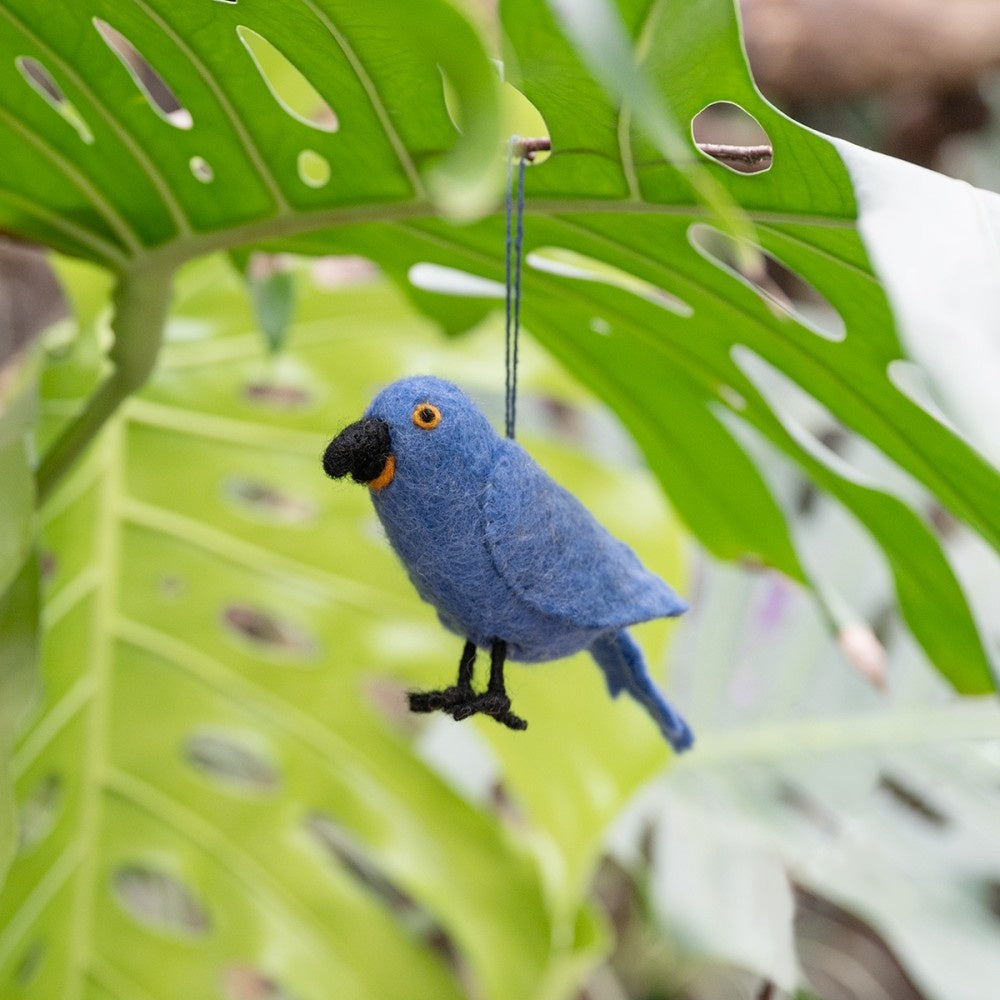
[{"x": 382, "y": 480}]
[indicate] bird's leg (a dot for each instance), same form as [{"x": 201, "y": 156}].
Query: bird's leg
[
  {"x": 452, "y": 697},
  {"x": 460, "y": 700},
  {"x": 465, "y": 666},
  {"x": 494, "y": 701}
]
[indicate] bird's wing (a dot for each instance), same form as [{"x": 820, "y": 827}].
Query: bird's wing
[{"x": 549, "y": 549}]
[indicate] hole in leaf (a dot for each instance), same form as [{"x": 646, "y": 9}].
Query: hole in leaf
[
  {"x": 730, "y": 135},
  {"x": 907, "y": 796},
  {"x": 293, "y": 92},
  {"x": 160, "y": 901},
  {"x": 341, "y": 846},
  {"x": 277, "y": 395},
  {"x": 570, "y": 264},
  {"x": 201, "y": 169},
  {"x": 845, "y": 453},
  {"x": 314, "y": 170},
  {"x": 523, "y": 119},
  {"x": 807, "y": 495},
  {"x": 731, "y": 397},
  {"x": 562, "y": 419},
  {"x": 48, "y": 565},
  {"x": 804, "y": 417},
  {"x": 31, "y": 962},
  {"x": 519, "y": 117},
  {"x": 884, "y": 621},
  {"x": 38, "y": 812},
  {"x": 450, "y": 100},
  {"x": 944, "y": 523},
  {"x": 600, "y": 326},
  {"x": 912, "y": 380},
  {"x": 784, "y": 291},
  {"x": 992, "y": 893},
  {"x": 388, "y": 697},
  {"x": 808, "y": 807},
  {"x": 267, "y": 632},
  {"x": 42, "y": 82},
  {"x": 264, "y": 502},
  {"x": 153, "y": 87},
  {"x": 169, "y": 586},
  {"x": 244, "y": 982},
  {"x": 830, "y": 942},
  {"x": 345, "y": 851},
  {"x": 451, "y": 281},
  {"x": 232, "y": 763}
]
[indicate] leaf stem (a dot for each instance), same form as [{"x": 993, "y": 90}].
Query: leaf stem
[
  {"x": 141, "y": 300},
  {"x": 749, "y": 155}
]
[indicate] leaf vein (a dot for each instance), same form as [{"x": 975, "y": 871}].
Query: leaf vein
[
  {"x": 378, "y": 105},
  {"x": 107, "y": 252},
  {"x": 111, "y": 215},
  {"x": 172, "y": 205},
  {"x": 258, "y": 881},
  {"x": 249, "y": 146}
]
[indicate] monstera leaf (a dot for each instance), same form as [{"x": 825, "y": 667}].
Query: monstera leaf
[
  {"x": 219, "y": 789},
  {"x": 886, "y": 806},
  {"x": 142, "y": 136}
]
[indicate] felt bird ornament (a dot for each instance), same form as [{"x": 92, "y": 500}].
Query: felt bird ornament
[{"x": 512, "y": 562}]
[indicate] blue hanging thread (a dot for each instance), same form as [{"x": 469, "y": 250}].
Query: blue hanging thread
[{"x": 513, "y": 244}]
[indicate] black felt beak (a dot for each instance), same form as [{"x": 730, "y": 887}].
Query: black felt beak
[{"x": 363, "y": 450}]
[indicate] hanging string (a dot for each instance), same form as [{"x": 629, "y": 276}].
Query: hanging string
[
  {"x": 508, "y": 298},
  {"x": 513, "y": 245}
]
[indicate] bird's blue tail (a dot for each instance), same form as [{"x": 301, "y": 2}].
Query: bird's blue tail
[{"x": 625, "y": 670}]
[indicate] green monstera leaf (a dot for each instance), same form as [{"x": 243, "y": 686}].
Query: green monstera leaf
[
  {"x": 221, "y": 790},
  {"x": 192, "y": 766},
  {"x": 146, "y": 135}
]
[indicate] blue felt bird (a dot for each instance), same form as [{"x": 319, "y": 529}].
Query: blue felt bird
[{"x": 511, "y": 561}]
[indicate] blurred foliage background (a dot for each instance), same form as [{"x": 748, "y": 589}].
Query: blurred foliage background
[{"x": 218, "y": 790}]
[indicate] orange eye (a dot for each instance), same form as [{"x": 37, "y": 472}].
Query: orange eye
[{"x": 427, "y": 416}]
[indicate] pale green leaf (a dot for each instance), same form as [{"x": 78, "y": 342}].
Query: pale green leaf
[
  {"x": 210, "y": 789},
  {"x": 18, "y": 685},
  {"x": 880, "y": 799}
]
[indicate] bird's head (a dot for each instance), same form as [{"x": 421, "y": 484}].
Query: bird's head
[{"x": 416, "y": 427}]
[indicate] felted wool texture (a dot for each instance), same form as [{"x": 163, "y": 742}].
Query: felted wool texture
[
  {"x": 495, "y": 544},
  {"x": 550, "y": 550},
  {"x": 360, "y": 450},
  {"x": 624, "y": 669}
]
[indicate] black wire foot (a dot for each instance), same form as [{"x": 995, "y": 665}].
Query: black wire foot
[
  {"x": 449, "y": 698},
  {"x": 495, "y": 705},
  {"x": 446, "y": 700},
  {"x": 461, "y": 704},
  {"x": 498, "y": 706},
  {"x": 460, "y": 700}
]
